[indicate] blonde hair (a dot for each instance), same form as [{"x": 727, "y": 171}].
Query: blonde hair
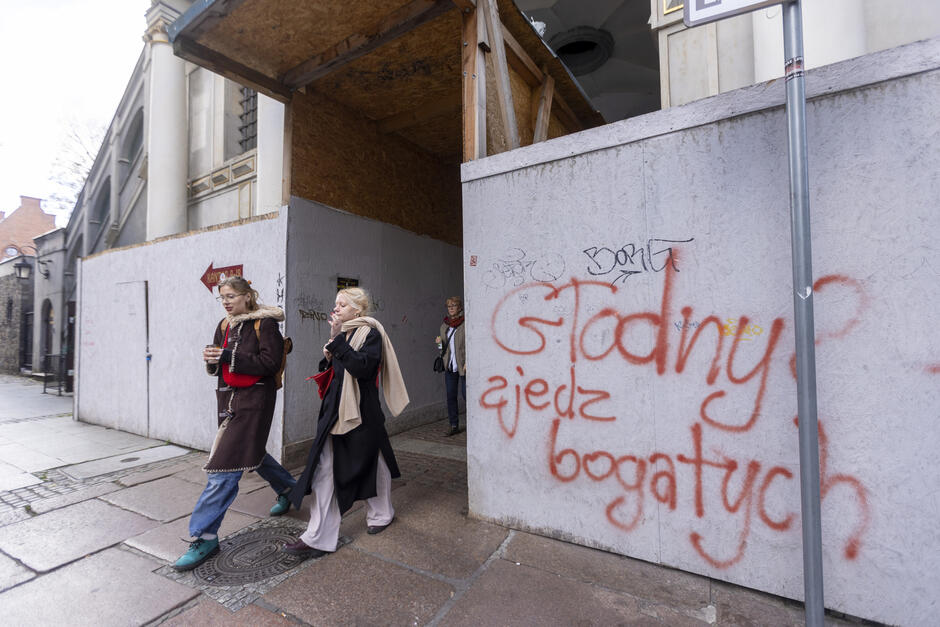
[
  {"x": 455, "y": 300},
  {"x": 241, "y": 285},
  {"x": 358, "y": 298}
]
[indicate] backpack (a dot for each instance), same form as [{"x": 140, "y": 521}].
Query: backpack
[{"x": 288, "y": 347}]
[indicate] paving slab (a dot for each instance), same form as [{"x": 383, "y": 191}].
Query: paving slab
[
  {"x": 164, "y": 499},
  {"x": 195, "y": 474},
  {"x": 14, "y": 516},
  {"x": 431, "y": 532},
  {"x": 158, "y": 473},
  {"x": 21, "y": 397},
  {"x": 674, "y": 588},
  {"x": 209, "y": 613},
  {"x": 13, "y": 573},
  {"x": 114, "y": 587},
  {"x": 84, "y": 494},
  {"x": 12, "y": 478},
  {"x": 352, "y": 588},
  {"x": 26, "y": 458},
  {"x": 742, "y": 606},
  {"x": 167, "y": 542},
  {"x": 114, "y": 463},
  {"x": 507, "y": 594},
  {"x": 64, "y": 535},
  {"x": 428, "y": 447}
]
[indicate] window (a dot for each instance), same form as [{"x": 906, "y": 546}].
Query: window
[
  {"x": 9, "y": 309},
  {"x": 134, "y": 137},
  {"x": 248, "y": 129},
  {"x": 223, "y": 122},
  {"x": 103, "y": 205}
]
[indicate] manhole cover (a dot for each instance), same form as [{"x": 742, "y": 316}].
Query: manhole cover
[{"x": 249, "y": 557}]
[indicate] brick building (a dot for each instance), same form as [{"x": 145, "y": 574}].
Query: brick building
[{"x": 18, "y": 229}]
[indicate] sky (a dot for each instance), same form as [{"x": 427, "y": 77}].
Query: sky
[{"x": 62, "y": 62}]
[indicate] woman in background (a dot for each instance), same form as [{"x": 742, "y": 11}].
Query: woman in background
[{"x": 455, "y": 360}]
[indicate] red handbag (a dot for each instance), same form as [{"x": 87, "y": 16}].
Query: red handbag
[
  {"x": 235, "y": 379},
  {"x": 323, "y": 380}
]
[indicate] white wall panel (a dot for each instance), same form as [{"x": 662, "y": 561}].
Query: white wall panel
[{"x": 694, "y": 462}]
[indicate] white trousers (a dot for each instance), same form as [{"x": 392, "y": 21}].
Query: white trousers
[{"x": 323, "y": 529}]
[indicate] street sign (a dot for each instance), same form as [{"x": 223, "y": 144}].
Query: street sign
[
  {"x": 698, "y": 12},
  {"x": 211, "y": 277}
]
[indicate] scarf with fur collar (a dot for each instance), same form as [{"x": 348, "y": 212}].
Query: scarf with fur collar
[{"x": 263, "y": 311}]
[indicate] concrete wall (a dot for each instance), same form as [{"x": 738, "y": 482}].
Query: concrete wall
[
  {"x": 151, "y": 296},
  {"x": 631, "y": 335},
  {"x": 409, "y": 277}
]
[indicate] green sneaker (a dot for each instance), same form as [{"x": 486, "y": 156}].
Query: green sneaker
[
  {"x": 280, "y": 506},
  {"x": 199, "y": 551}
]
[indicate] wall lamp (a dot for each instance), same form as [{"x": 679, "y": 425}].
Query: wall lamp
[{"x": 22, "y": 269}]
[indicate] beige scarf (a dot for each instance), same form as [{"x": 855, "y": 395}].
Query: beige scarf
[{"x": 393, "y": 386}]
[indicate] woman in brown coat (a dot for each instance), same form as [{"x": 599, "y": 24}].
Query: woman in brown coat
[{"x": 245, "y": 355}]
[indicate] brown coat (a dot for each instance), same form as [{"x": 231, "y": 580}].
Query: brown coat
[{"x": 245, "y": 414}]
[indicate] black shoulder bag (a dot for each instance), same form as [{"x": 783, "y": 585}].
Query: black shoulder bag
[{"x": 439, "y": 360}]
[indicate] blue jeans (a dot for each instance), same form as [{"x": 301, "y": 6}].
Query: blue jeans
[
  {"x": 221, "y": 490},
  {"x": 454, "y": 382}
]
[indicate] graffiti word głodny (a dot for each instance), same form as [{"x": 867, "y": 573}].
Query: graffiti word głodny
[
  {"x": 569, "y": 405},
  {"x": 631, "y": 259}
]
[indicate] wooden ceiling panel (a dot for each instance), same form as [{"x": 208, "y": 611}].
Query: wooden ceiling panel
[
  {"x": 274, "y": 36},
  {"x": 420, "y": 67}
]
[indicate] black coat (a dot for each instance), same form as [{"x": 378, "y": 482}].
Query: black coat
[
  {"x": 355, "y": 454},
  {"x": 239, "y": 443}
]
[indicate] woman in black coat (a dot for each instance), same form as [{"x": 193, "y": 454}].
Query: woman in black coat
[{"x": 351, "y": 457}]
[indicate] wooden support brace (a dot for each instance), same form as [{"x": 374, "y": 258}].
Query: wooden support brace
[
  {"x": 525, "y": 67},
  {"x": 543, "y": 102},
  {"x": 503, "y": 90},
  {"x": 220, "y": 64},
  {"x": 473, "y": 66}
]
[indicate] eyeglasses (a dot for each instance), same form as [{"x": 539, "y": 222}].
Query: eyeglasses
[{"x": 226, "y": 298}]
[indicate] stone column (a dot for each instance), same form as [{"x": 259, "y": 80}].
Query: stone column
[
  {"x": 167, "y": 144},
  {"x": 270, "y": 154}
]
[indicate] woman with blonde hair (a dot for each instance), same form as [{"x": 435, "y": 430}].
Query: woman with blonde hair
[
  {"x": 245, "y": 354},
  {"x": 351, "y": 458}
]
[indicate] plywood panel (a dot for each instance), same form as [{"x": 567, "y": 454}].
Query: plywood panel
[
  {"x": 521, "y": 103},
  {"x": 339, "y": 158},
  {"x": 275, "y": 35}
]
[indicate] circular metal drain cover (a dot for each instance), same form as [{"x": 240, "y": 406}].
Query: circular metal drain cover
[{"x": 249, "y": 557}]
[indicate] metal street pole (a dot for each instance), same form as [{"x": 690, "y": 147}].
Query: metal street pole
[{"x": 803, "y": 314}]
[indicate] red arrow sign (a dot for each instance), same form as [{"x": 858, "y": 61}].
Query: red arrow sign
[{"x": 212, "y": 276}]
